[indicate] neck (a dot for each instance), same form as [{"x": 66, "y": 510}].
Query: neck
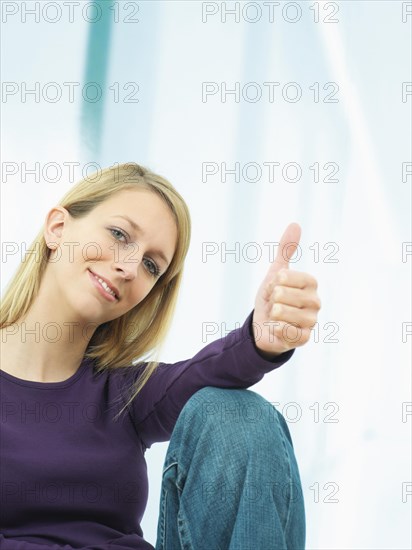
[{"x": 45, "y": 345}]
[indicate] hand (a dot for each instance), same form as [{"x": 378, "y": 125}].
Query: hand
[{"x": 287, "y": 303}]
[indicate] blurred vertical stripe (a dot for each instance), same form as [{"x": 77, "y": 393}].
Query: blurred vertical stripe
[{"x": 97, "y": 60}]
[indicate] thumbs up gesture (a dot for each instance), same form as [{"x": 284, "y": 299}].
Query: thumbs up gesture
[{"x": 286, "y": 304}]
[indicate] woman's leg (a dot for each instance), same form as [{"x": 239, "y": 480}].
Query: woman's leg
[{"x": 230, "y": 477}]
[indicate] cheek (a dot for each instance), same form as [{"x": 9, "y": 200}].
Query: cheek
[
  {"x": 140, "y": 292},
  {"x": 141, "y": 289},
  {"x": 95, "y": 251},
  {"x": 73, "y": 252}
]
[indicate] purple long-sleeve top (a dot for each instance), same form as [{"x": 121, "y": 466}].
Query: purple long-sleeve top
[{"x": 71, "y": 476}]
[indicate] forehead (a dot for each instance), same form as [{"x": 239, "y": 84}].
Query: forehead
[
  {"x": 140, "y": 205},
  {"x": 147, "y": 210},
  {"x": 134, "y": 199}
]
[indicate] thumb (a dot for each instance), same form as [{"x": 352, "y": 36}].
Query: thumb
[{"x": 287, "y": 247}]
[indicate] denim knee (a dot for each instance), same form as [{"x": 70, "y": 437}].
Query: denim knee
[{"x": 231, "y": 410}]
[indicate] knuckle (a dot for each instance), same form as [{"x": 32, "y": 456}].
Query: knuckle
[
  {"x": 278, "y": 293},
  {"x": 313, "y": 320},
  {"x": 277, "y": 310},
  {"x": 282, "y": 276},
  {"x": 315, "y": 303},
  {"x": 311, "y": 282}
]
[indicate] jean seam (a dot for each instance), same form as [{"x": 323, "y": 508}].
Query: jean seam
[
  {"x": 164, "y": 508},
  {"x": 174, "y": 463},
  {"x": 163, "y": 519},
  {"x": 289, "y": 470},
  {"x": 184, "y": 534}
]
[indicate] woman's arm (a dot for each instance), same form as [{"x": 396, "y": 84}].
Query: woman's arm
[{"x": 233, "y": 361}]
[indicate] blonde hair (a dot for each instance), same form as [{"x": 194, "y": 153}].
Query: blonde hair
[{"x": 113, "y": 344}]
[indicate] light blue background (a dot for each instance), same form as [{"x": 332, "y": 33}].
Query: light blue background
[{"x": 365, "y": 295}]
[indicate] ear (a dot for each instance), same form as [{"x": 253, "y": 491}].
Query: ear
[{"x": 53, "y": 226}]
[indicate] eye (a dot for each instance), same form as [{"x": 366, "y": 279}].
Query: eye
[
  {"x": 122, "y": 233},
  {"x": 155, "y": 272}
]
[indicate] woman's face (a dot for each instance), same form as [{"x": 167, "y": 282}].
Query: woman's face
[{"x": 105, "y": 244}]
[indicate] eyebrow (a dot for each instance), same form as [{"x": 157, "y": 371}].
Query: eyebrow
[{"x": 138, "y": 229}]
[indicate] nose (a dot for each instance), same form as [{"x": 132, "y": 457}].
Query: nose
[{"x": 128, "y": 262}]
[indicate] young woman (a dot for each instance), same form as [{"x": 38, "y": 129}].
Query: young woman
[{"x": 95, "y": 296}]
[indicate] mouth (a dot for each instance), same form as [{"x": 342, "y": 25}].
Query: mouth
[{"x": 108, "y": 289}]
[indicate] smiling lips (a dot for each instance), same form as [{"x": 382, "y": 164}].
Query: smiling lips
[{"x": 108, "y": 290}]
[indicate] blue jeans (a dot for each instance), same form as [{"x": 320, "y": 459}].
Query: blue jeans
[{"x": 230, "y": 477}]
